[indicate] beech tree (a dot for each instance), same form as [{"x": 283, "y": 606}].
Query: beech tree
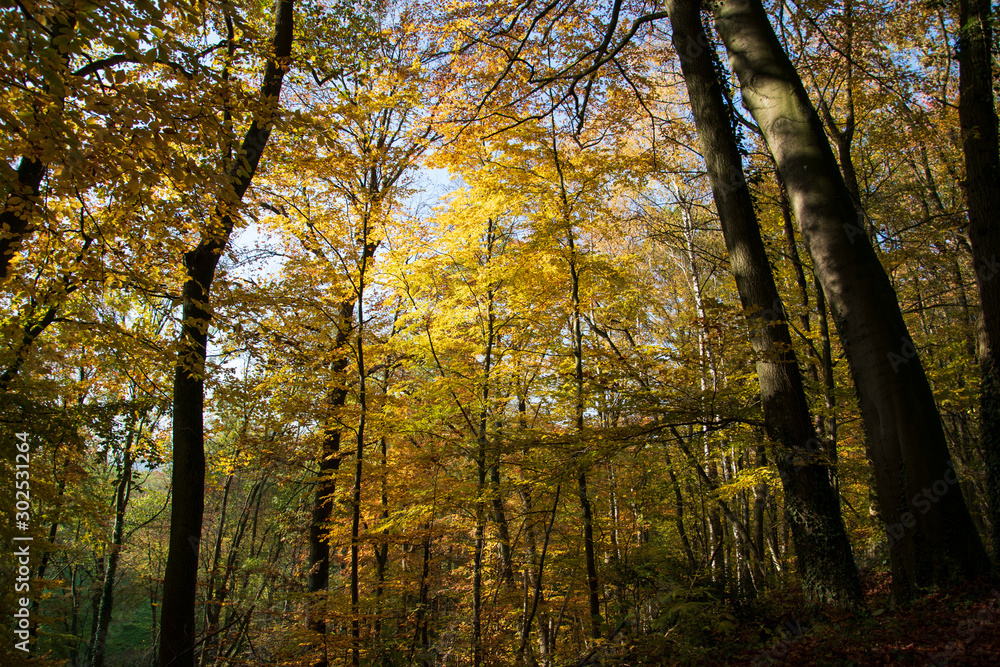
[
  {"x": 813, "y": 508},
  {"x": 938, "y": 544},
  {"x": 178, "y": 629},
  {"x": 979, "y": 122},
  {"x": 509, "y": 351},
  {"x": 368, "y": 136}
]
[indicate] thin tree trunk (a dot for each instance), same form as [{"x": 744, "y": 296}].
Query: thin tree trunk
[
  {"x": 714, "y": 534},
  {"x": 212, "y": 609},
  {"x": 500, "y": 518},
  {"x": 367, "y": 253},
  {"x": 829, "y": 422},
  {"x": 534, "y": 595},
  {"x": 679, "y": 512},
  {"x": 382, "y": 547},
  {"x": 759, "y": 505},
  {"x": 482, "y": 441},
  {"x": 420, "y": 622},
  {"x": 536, "y": 598},
  {"x": 122, "y": 490},
  {"x": 593, "y": 590},
  {"x": 593, "y": 586},
  {"x": 931, "y": 542},
  {"x": 219, "y": 588},
  {"x": 616, "y": 554}
]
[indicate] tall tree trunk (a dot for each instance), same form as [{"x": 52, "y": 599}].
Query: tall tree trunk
[
  {"x": 533, "y": 571},
  {"x": 480, "y": 542},
  {"x": 177, "y": 635},
  {"x": 382, "y": 547},
  {"x": 326, "y": 487},
  {"x": 212, "y": 608},
  {"x": 219, "y": 587},
  {"x": 978, "y": 117},
  {"x": 368, "y": 251},
  {"x": 545, "y": 638},
  {"x": 679, "y": 513},
  {"x": 593, "y": 586},
  {"x": 481, "y": 455},
  {"x": 932, "y": 538},
  {"x": 713, "y": 531},
  {"x": 500, "y": 517},
  {"x": 811, "y": 506}
]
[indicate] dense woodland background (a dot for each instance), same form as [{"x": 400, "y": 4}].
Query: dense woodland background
[{"x": 393, "y": 333}]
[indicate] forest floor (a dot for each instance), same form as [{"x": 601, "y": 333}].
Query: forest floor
[{"x": 956, "y": 626}]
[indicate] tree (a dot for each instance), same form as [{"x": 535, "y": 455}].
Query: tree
[
  {"x": 177, "y": 644},
  {"x": 931, "y": 543},
  {"x": 981, "y": 146},
  {"x": 365, "y": 138},
  {"x": 811, "y": 504}
]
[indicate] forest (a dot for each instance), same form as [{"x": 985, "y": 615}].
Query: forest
[{"x": 544, "y": 333}]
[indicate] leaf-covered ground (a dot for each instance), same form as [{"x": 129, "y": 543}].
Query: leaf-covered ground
[{"x": 957, "y": 626}]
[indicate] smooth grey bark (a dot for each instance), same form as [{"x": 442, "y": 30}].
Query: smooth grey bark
[
  {"x": 178, "y": 627},
  {"x": 811, "y": 506},
  {"x": 931, "y": 536},
  {"x": 978, "y": 118}
]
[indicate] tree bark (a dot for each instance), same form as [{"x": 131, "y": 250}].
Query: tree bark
[
  {"x": 811, "y": 506},
  {"x": 17, "y": 209},
  {"x": 382, "y": 547},
  {"x": 679, "y": 513},
  {"x": 978, "y": 118},
  {"x": 368, "y": 251},
  {"x": 576, "y": 324},
  {"x": 326, "y": 487},
  {"x": 931, "y": 535},
  {"x": 482, "y": 442},
  {"x": 178, "y": 630},
  {"x": 593, "y": 586}
]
